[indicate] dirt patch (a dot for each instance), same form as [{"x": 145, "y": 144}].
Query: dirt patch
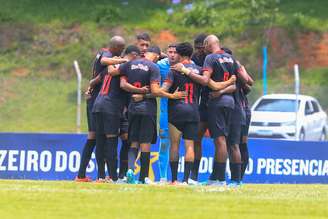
[
  {"x": 164, "y": 38},
  {"x": 20, "y": 72}
]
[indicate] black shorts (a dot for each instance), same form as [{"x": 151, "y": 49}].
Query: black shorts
[
  {"x": 91, "y": 117},
  {"x": 189, "y": 129},
  {"x": 203, "y": 114},
  {"x": 236, "y": 123},
  {"x": 219, "y": 121},
  {"x": 124, "y": 125},
  {"x": 142, "y": 128},
  {"x": 107, "y": 124}
]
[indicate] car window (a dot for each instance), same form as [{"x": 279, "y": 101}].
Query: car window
[
  {"x": 276, "y": 105},
  {"x": 308, "y": 108},
  {"x": 315, "y": 106}
]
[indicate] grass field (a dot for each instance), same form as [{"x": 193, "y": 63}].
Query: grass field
[{"x": 40, "y": 199}]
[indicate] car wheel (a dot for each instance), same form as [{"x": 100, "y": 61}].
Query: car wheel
[
  {"x": 302, "y": 135},
  {"x": 323, "y": 135}
]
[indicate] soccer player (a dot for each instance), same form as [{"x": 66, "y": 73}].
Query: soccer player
[
  {"x": 164, "y": 145},
  {"x": 183, "y": 113},
  {"x": 131, "y": 52},
  {"x": 98, "y": 72},
  {"x": 143, "y": 43},
  {"x": 198, "y": 58},
  {"x": 138, "y": 76},
  {"x": 108, "y": 108},
  {"x": 244, "y": 90},
  {"x": 221, "y": 66}
]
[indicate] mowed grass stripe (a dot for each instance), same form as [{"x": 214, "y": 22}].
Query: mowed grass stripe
[{"x": 49, "y": 199}]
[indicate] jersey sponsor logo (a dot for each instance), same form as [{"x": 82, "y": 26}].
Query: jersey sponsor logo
[
  {"x": 225, "y": 60},
  {"x": 140, "y": 66}
]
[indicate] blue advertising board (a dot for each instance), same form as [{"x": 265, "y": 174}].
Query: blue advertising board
[{"x": 57, "y": 157}]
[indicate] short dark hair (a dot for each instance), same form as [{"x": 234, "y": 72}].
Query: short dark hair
[
  {"x": 132, "y": 48},
  {"x": 172, "y": 45},
  {"x": 184, "y": 49},
  {"x": 154, "y": 49},
  {"x": 143, "y": 36},
  {"x": 199, "y": 39},
  {"x": 227, "y": 50}
]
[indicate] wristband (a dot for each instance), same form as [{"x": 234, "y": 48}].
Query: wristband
[{"x": 185, "y": 71}]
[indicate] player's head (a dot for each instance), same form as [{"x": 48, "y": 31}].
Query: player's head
[
  {"x": 143, "y": 42},
  {"x": 172, "y": 53},
  {"x": 116, "y": 45},
  {"x": 131, "y": 52},
  {"x": 199, "y": 43},
  {"x": 153, "y": 53},
  {"x": 184, "y": 50},
  {"x": 227, "y": 50},
  {"x": 211, "y": 44}
]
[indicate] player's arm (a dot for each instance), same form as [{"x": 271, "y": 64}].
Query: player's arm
[
  {"x": 112, "y": 61},
  {"x": 221, "y": 85},
  {"x": 97, "y": 80},
  {"x": 158, "y": 91},
  {"x": 125, "y": 85},
  {"x": 201, "y": 79},
  {"x": 228, "y": 90},
  {"x": 243, "y": 74},
  {"x": 114, "y": 70},
  {"x": 247, "y": 88}
]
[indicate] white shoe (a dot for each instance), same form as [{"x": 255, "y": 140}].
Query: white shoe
[
  {"x": 121, "y": 180},
  {"x": 193, "y": 182},
  {"x": 148, "y": 181},
  {"x": 220, "y": 183},
  {"x": 162, "y": 181}
]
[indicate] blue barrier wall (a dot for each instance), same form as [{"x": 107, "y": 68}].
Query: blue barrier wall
[{"x": 57, "y": 157}]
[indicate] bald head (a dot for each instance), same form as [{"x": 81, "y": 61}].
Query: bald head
[
  {"x": 212, "y": 43},
  {"x": 116, "y": 45}
]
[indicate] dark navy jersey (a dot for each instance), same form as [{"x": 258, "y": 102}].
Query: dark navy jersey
[
  {"x": 141, "y": 72},
  {"x": 184, "y": 109},
  {"x": 198, "y": 59},
  {"x": 99, "y": 68},
  {"x": 223, "y": 66},
  {"x": 111, "y": 98}
]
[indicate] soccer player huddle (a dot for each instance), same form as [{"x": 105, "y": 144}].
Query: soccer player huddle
[{"x": 200, "y": 88}]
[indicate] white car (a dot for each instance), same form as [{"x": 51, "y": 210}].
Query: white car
[{"x": 274, "y": 116}]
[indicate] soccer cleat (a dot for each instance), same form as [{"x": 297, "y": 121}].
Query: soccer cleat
[
  {"x": 162, "y": 181},
  {"x": 234, "y": 185},
  {"x": 101, "y": 180},
  {"x": 192, "y": 182},
  {"x": 85, "y": 179},
  {"x": 122, "y": 180},
  {"x": 130, "y": 177},
  {"x": 211, "y": 182},
  {"x": 174, "y": 183},
  {"x": 148, "y": 181},
  {"x": 220, "y": 183}
]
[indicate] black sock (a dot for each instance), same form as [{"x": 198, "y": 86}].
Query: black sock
[
  {"x": 174, "y": 170},
  {"x": 124, "y": 158},
  {"x": 220, "y": 171},
  {"x": 100, "y": 157},
  {"x": 86, "y": 156},
  {"x": 144, "y": 161},
  {"x": 214, "y": 170},
  {"x": 195, "y": 170},
  {"x": 244, "y": 158},
  {"x": 235, "y": 171},
  {"x": 111, "y": 146},
  {"x": 132, "y": 156},
  {"x": 187, "y": 168}
]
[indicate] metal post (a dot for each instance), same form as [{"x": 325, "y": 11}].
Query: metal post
[
  {"x": 78, "y": 111},
  {"x": 297, "y": 91},
  {"x": 264, "y": 70}
]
